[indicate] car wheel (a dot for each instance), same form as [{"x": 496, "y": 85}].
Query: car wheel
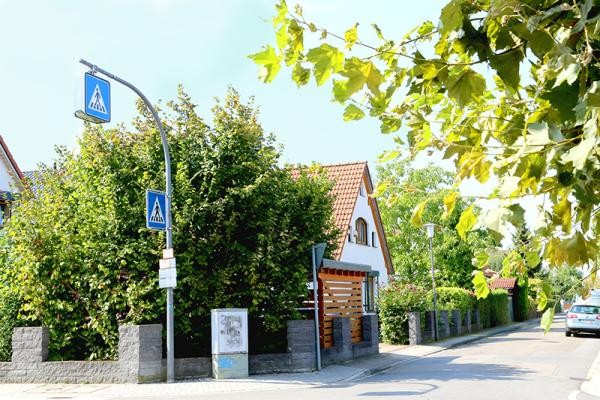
[{"x": 568, "y": 333}]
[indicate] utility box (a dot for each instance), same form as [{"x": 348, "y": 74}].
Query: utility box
[{"x": 229, "y": 328}]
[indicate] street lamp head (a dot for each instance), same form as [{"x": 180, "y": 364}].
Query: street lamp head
[{"x": 430, "y": 230}]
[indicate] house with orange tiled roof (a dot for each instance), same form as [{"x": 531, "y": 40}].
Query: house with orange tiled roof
[
  {"x": 357, "y": 216},
  {"x": 11, "y": 180},
  {"x": 348, "y": 281},
  {"x": 362, "y": 241}
]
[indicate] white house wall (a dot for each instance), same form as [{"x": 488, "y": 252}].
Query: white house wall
[
  {"x": 7, "y": 182},
  {"x": 361, "y": 254}
]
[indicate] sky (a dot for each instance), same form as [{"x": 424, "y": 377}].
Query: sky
[{"x": 158, "y": 44}]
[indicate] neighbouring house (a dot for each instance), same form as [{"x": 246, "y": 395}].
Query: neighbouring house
[
  {"x": 349, "y": 281},
  {"x": 11, "y": 181}
]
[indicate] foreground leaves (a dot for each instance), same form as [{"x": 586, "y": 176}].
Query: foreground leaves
[{"x": 504, "y": 89}]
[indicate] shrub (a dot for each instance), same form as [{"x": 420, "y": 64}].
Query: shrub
[
  {"x": 498, "y": 307},
  {"x": 454, "y": 298},
  {"x": 395, "y": 302},
  {"x": 521, "y": 303},
  {"x": 9, "y": 310}
]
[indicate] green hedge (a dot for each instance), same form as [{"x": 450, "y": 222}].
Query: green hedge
[
  {"x": 521, "y": 303},
  {"x": 395, "y": 302},
  {"x": 9, "y": 310},
  {"x": 499, "y": 307},
  {"x": 453, "y": 298}
]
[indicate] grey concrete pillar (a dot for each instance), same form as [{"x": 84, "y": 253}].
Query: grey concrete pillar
[
  {"x": 428, "y": 332},
  {"x": 414, "y": 328},
  {"x": 467, "y": 320},
  {"x": 476, "y": 320},
  {"x": 301, "y": 344},
  {"x": 140, "y": 353},
  {"x": 370, "y": 329},
  {"x": 456, "y": 326},
  {"x": 443, "y": 324},
  {"x": 342, "y": 338},
  {"x": 30, "y": 344}
]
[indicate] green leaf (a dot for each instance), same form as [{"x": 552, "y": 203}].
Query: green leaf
[
  {"x": 579, "y": 154},
  {"x": 429, "y": 71},
  {"x": 449, "y": 204},
  {"x": 426, "y": 28},
  {"x": 281, "y": 15},
  {"x": 352, "y": 113},
  {"x": 541, "y": 43},
  {"x": 351, "y": 36},
  {"x": 507, "y": 67},
  {"x": 480, "y": 285},
  {"x": 452, "y": 16},
  {"x": 569, "y": 71},
  {"x": 564, "y": 99},
  {"x": 417, "y": 215},
  {"x": 466, "y": 222},
  {"x": 390, "y": 124},
  {"x": 300, "y": 75},
  {"x": 327, "y": 60},
  {"x": 268, "y": 62},
  {"x": 359, "y": 74},
  {"x": 547, "y": 319},
  {"x": 466, "y": 86},
  {"x": 481, "y": 259},
  {"x": 387, "y": 156}
]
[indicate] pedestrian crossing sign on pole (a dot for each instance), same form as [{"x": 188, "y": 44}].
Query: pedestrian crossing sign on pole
[
  {"x": 97, "y": 98},
  {"x": 156, "y": 205}
]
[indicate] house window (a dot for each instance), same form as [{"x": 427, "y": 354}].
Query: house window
[
  {"x": 361, "y": 190},
  {"x": 5, "y": 213},
  {"x": 349, "y": 233},
  {"x": 369, "y": 285},
  {"x": 373, "y": 241},
  {"x": 361, "y": 231}
]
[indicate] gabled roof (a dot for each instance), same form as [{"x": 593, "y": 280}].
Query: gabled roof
[
  {"x": 13, "y": 166},
  {"x": 503, "y": 283},
  {"x": 347, "y": 179}
]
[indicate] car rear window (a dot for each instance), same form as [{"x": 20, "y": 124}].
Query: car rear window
[{"x": 585, "y": 309}]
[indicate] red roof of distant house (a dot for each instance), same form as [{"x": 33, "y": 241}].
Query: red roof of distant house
[{"x": 503, "y": 283}]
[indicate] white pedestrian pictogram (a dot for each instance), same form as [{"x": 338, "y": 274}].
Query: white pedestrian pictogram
[
  {"x": 97, "y": 102},
  {"x": 156, "y": 215}
]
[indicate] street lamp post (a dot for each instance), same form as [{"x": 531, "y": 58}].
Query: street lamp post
[
  {"x": 169, "y": 191},
  {"x": 430, "y": 232}
]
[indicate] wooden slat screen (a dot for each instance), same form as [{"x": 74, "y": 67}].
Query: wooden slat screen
[{"x": 340, "y": 295}]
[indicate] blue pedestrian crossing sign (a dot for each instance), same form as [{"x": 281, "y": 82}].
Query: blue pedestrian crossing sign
[
  {"x": 156, "y": 206},
  {"x": 97, "y": 98}
]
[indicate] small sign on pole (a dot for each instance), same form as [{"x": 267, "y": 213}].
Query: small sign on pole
[
  {"x": 167, "y": 278},
  {"x": 155, "y": 210}
]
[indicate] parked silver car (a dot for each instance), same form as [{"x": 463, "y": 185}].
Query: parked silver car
[{"x": 583, "y": 318}]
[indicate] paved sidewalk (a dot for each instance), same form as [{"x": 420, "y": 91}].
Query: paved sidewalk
[{"x": 389, "y": 357}]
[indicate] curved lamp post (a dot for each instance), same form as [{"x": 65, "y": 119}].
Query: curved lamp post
[{"x": 430, "y": 233}]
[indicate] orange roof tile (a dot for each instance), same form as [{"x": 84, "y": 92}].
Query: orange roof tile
[{"x": 503, "y": 283}]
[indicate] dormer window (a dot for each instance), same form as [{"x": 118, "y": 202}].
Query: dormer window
[{"x": 361, "y": 232}]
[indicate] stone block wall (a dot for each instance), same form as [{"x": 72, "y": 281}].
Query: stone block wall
[{"x": 140, "y": 356}]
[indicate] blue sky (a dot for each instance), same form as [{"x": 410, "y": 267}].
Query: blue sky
[{"x": 158, "y": 44}]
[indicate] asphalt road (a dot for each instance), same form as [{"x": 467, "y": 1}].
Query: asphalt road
[{"x": 525, "y": 364}]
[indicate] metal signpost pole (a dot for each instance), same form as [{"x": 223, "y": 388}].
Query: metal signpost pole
[
  {"x": 168, "y": 189},
  {"x": 435, "y": 327}
]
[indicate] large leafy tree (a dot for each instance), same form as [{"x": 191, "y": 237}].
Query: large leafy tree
[
  {"x": 405, "y": 188},
  {"x": 509, "y": 88},
  {"x": 82, "y": 261}
]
